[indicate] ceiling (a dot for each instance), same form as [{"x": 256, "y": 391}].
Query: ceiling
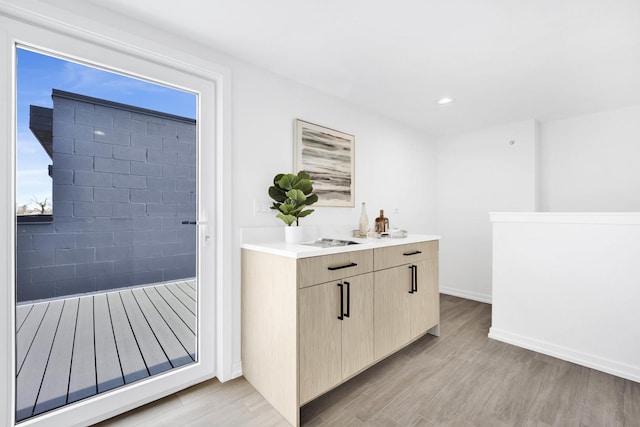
[{"x": 501, "y": 60}]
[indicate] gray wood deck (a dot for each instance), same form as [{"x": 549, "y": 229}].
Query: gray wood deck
[{"x": 71, "y": 349}]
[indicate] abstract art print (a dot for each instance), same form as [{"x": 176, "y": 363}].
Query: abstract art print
[{"x": 327, "y": 155}]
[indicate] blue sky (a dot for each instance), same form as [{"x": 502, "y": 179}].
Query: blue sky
[{"x": 38, "y": 74}]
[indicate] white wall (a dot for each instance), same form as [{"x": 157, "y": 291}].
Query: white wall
[
  {"x": 591, "y": 163},
  {"x": 392, "y": 161},
  {"x": 480, "y": 172},
  {"x": 585, "y": 164},
  {"x": 567, "y": 285}
]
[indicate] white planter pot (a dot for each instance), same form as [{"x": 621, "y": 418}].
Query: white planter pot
[{"x": 293, "y": 234}]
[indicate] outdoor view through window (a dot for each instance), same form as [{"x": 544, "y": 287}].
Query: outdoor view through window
[{"x": 106, "y": 242}]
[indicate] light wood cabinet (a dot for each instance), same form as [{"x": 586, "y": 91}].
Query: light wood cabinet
[
  {"x": 406, "y": 296},
  {"x": 336, "y": 333},
  {"x": 320, "y": 340},
  {"x": 391, "y": 308},
  {"x": 269, "y": 329},
  {"x": 357, "y": 330},
  {"x": 425, "y": 302},
  {"x": 294, "y": 345}
]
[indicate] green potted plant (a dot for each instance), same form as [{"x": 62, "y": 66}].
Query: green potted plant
[{"x": 292, "y": 194}]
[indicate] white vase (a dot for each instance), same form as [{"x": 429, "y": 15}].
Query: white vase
[{"x": 293, "y": 234}]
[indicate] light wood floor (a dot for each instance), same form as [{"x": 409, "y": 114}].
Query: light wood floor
[{"x": 461, "y": 378}]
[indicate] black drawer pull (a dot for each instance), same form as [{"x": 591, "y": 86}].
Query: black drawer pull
[
  {"x": 412, "y": 253},
  {"x": 353, "y": 264}
]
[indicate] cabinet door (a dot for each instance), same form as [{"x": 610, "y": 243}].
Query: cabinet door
[
  {"x": 392, "y": 316},
  {"x": 320, "y": 339},
  {"x": 425, "y": 303},
  {"x": 357, "y": 329}
]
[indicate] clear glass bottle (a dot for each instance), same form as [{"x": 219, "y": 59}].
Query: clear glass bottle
[{"x": 364, "y": 221}]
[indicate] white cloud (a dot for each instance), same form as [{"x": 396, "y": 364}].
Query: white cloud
[{"x": 79, "y": 78}]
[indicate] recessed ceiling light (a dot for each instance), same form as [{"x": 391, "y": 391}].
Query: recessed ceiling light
[{"x": 445, "y": 100}]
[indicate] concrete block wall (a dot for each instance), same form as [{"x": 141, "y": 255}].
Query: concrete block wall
[{"x": 124, "y": 180}]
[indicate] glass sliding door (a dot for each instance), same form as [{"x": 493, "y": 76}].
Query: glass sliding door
[{"x": 106, "y": 227}]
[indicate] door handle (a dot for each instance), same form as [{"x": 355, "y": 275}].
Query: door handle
[
  {"x": 412, "y": 279},
  {"x": 415, "y": 278},
  {"x": 341, "y": 317},
  {"x": 348, "y": 299}
]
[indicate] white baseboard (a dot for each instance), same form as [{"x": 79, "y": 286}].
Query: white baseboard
[
  {"x": 236, "y": 370},
  {"x": 612, "y": 367},
  {"x": 466, "y": 294}
]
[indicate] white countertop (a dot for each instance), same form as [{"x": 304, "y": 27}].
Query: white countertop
[{"x": 304, "y": 251}]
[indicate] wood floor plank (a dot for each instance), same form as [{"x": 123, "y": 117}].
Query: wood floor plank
[
  {"x": 187, "y": 316},
  {"x": 22, "y": 311},
  {"x": 35, "y": 362},
  {"x": 182, "y": 297},
  {"x": 172, "y": 347},
  {"x": 27, "y": 333},
  {"x": 368, "y": 406},
  {"x": 131, "y": 361},
  {"x": 178, "y": 326},
  {"x": 188, "y": 290},
  {"x": 152, "y": 352},
  {"x": 82, "y": 380},
  {"x": 631, "y": 403},
  {"x": 561, "y": 401},
  {"x": 53, "y": 391},
  {"x": 604, "y": 400},
  {"x": 192, "y": 284},
  {"x": 108, "y": 370}
]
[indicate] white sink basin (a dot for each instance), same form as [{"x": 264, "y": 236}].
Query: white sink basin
[{"x": 330, "y": 243}]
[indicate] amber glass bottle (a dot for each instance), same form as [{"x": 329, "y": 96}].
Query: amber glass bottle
[{"x": 382, "y": 223}]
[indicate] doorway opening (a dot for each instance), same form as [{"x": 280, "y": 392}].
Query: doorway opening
[{"x": 106, "y": 231}]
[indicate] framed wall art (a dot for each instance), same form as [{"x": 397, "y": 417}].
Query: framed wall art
[{"x": 328, "y": 156}]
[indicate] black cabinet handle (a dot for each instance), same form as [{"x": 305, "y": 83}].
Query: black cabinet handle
[
  {"x": 412, "y": 279},
  {"x": 341, "y": 317},
  {"x": 348, "y": 299},
  {"x": 353, "y": 264},
  {"x": 412, "y": 253}
]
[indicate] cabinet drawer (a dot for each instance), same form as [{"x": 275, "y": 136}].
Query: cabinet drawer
[
  {"x": 321, "y": 269},
  {"x": 392, "y": 256}
]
